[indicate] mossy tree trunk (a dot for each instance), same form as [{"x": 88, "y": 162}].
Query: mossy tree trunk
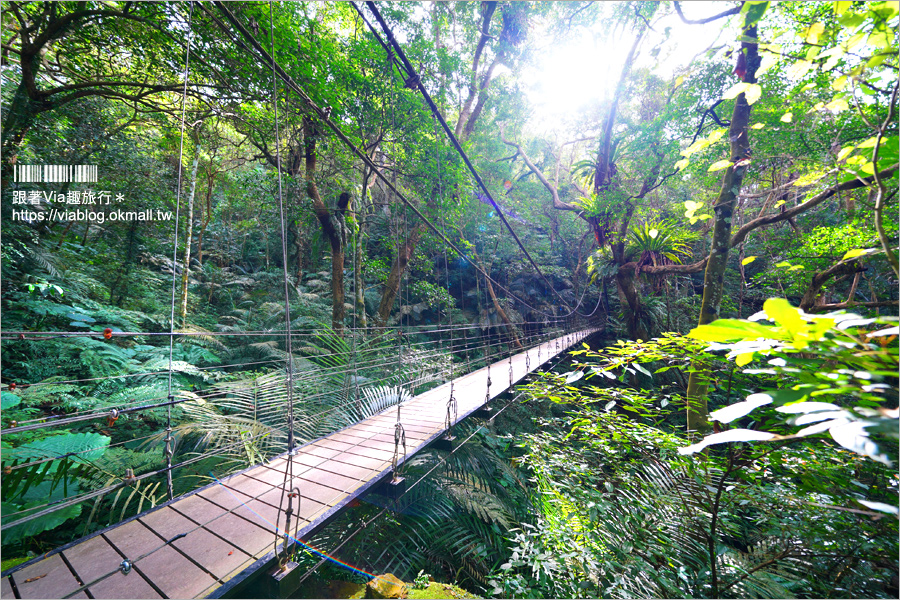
[{"x": 714, "y": 279}]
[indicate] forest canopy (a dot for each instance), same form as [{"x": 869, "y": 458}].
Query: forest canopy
[{"x": 230, "y": 228}]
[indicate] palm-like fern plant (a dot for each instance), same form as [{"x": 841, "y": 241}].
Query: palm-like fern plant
[{"x": 658, "y": 243}]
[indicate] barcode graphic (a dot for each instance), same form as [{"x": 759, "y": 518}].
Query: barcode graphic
[{"x": 54, "y": 173}]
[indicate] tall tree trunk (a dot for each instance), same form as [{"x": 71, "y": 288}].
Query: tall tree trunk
[
  {"x": 188, "y": 232},
  {"x": 392, "y": 287},
  {"x": 298, "y": 241},
  {"x": 359, "y": 288},
  {"x": 714, "y": 278},
  {"x": 503, "y": 316},
  {"x": 630, "y": 301},
  {"x": 331, "y": 230},
  {"x": 206, "y": 217},
  {"x": 487, "y": 13}
]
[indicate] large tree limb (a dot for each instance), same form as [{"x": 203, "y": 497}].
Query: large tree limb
[
  {"x": 821, "y": 278},
  {"x": 842, "y": 305},
  {"x": 745, "y": 230},
  {"x": 604, "y": 172},
  {"x": 741, "y": 234},
  {"x": 554, "y": 193},
  {"x": 668, "y": 269}
]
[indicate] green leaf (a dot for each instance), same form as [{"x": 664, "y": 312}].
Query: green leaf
[
  {"x": 856, "y": 252},
  {"x": 753, "y": 93},
  {"x": 733, "y": 435},
  {"x": 574, "y": 376},
  {"x": 8, "y": 400},
  {"x": 735, "y": 90},
  {"x": 799, "y": 69},
  {"x": 736, "y": 411},
  {"x": 781, "y": 311},
  {"x": 86, "y": 446},
  {"x": 718, "y": 166},
  {"x": 769, "y": 60},
  {"x": 888, "y": 508},
  {"x": 853, "y": 436},
  {"x": 815, "y": 30},
  {"x": 837, "y": 105},
  {"x": 744, "y": 359},
  {"x": 730, "y": 330},
  {"x": 35, "y": 526},
  {"x": 754, "y": 10}
]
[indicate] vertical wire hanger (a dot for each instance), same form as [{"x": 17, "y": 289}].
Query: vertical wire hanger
[
  {"x": 168, "y": 449},
  {"x": 289, "y": 363}
]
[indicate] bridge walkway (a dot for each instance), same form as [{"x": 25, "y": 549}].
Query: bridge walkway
[{"x": 209, "y": 541}]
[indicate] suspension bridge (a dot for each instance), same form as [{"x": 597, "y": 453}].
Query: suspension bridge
[
  {"x": 217, "y": 540},
  {"x": 211, "y": 542}
]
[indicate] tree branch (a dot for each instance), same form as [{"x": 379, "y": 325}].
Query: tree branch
[
  {"x": 812, "y": 202},
  {"x": 842, "y": 305},
  {"x": 557, "y": 203},
  {"x": 819, "y": 279},
  {"x": 727, "y": 13}
]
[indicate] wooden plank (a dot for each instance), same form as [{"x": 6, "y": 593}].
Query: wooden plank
[
  {"x": 6, "y": 590},
  {"x": 362, "y": 461},
  {"x": 347, "y": 470},
  {"x": 247, "y": 534},
  {"x": 316, "y": 450},
  {"x": 172, "y": 573},
  {"x": 95, "y": 558},
  {"x": 376, "y": 453},
  {"x": 243, "y": 506},
  {"x": 49, "y": 578},
  {"x": 334, "y": 481},
  {"x": 214, "y": 554}
]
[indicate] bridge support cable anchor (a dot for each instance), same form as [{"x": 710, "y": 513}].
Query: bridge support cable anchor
[
  {"x": 445, "y": 442},
  {"x": 396, "y": 487},
  {"x": 284, "y": 578},
  {"x": 486, "y": 412},
  {"x": 286, "y": 536},
  {"x": 169, "y": 449}
]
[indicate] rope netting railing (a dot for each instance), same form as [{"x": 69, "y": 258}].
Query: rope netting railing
[{"x": 327, "y": 397}]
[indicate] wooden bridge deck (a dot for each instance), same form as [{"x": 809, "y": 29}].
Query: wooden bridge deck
[{"x": 207, "y": 542}]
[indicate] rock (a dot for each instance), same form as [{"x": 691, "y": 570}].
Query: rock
[{"x": 386, "y": 586}]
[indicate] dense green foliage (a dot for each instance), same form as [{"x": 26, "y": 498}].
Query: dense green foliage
[{"x": 124, "y": 336}]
